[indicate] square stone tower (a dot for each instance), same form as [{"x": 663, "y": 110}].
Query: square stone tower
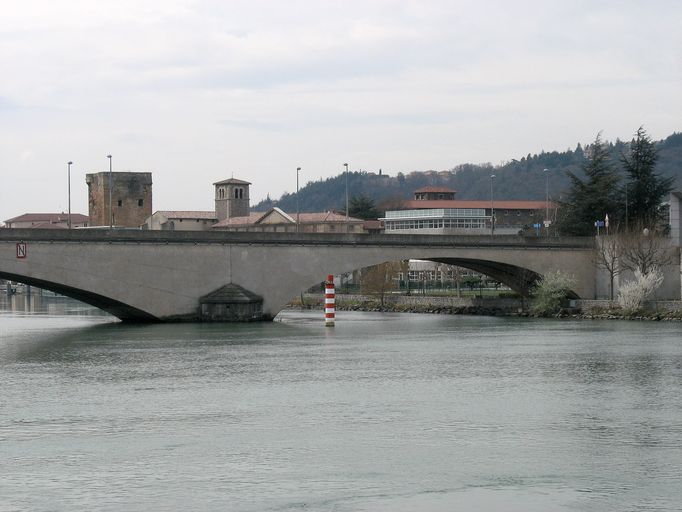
[
  {"x": 131, "y": 198},
  {"x": 231, "y": 199}
]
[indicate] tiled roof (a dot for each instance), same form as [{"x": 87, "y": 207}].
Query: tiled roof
[
  {"x": 49, "y": 217},
  {"x": 325, "y": 217},
  {"x": 187, "y": 214},
  {"x": 240, "y": 221},
  {"x": 437, "y": 190},
  {"x": 305, "y": 218},
  {"x": 48, "y": 225},
  {"x": 465, "y": 203},
  {"x": 232, "y": 181}
]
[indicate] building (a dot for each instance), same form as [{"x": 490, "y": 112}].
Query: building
[
  {"x": 48, "y": 221},
  {"x": 276, "y": 220},
  {"x": 232, "y": 213},
  {"x": 131, "y": 198},
  {"x": 174, "y": 220},
  {"x": 434, "y": 210},
  {"x": 231, "y": 199}
]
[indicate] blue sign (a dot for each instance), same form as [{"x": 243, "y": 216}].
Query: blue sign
[
  {"x": 599, "y": 224},
  {"x": 537, "y": 225}
]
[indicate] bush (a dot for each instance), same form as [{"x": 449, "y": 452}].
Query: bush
[
  {"x": 550, "y": 292},
  {"x": 633, "y": 294}
]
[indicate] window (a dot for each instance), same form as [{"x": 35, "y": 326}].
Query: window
[
  {"x": 236, "y": 193},
  {"x": 120, "y": 202},
  {"x": 140, "y": 202}
]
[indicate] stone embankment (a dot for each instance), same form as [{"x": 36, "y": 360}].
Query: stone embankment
[{"x": 581, "y": 309}]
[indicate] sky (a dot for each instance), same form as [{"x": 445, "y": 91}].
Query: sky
[{"x": 196, "y": 91}]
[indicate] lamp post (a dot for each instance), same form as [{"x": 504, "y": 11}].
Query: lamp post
[
  {"x": 298, "y": 213},
  {"x": 347, "y": 218},
  {"x": 68, "y": 222},
  {"x": 626, "y": 207},
  {"x": 111, "y": 211},
  {"x": 546, "y": 172},
  {"x": 492, "y": 207}
]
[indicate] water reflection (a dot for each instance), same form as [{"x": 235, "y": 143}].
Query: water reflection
[{"x": 35, "y": 301}]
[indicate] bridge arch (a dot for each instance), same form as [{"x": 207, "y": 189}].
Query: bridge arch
[{"x": 111, "y": 306}]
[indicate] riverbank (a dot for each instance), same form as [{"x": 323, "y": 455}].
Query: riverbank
[{"x": 512, "y": 307}]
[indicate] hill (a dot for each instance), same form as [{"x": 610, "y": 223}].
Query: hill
[{"x": 516, "y": 179}]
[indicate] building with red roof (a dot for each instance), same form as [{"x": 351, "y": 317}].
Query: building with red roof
[
  {"x": 48, "y": 221},
  {"x": 434, "y": 210}
]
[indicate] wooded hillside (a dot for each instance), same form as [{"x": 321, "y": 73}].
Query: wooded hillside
[{"x": 517, "y": 179}]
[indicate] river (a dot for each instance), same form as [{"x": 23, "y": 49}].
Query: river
[{"x": 384, "y": 412}]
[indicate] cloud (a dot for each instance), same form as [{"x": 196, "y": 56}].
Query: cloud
[{"x": 194, "y": 89}]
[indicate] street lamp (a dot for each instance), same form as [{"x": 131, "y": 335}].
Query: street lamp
[
  {"x": 626, "y": 207},
  {"x": 111, "y": 211},
  {"x": 69, "y": 180},
  {"x": 546, "y": 172},
  {"x": 347, "y": 218},
  {"x": 492, "y": 207},
  {"x": 298, "y": 218}
]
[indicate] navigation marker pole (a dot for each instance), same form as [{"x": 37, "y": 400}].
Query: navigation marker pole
[{"x": 329, "y": 301}]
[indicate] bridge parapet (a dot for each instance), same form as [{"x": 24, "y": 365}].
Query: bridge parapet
[{"x": 222, "y": 237}]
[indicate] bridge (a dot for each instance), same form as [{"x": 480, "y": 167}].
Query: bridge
[{"x": 171, "y": 275}]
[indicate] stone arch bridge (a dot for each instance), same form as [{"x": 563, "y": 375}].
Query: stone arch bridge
[{"x": 163, "y": 275}]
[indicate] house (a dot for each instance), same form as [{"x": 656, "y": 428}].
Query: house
[
  {"x": 48, "y": 221},
  {"x": 276, "y": 220},
  {"x": 180, "y": 220}
]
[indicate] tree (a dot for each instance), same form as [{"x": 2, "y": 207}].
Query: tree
[
  {"x": 380, "y": 279},
  {"x": 645, "y": 189},
  {"x": 644, "y": 250},
  {"x": 608, "y": 256},
  {"x": 363, "y": 207},
  {"x": 594, "y": 197}
]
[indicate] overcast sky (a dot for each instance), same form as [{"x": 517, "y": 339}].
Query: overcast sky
[{"x": 198, "y": 91}]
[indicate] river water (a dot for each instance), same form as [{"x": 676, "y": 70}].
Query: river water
[{"x": 384, "y": 412}]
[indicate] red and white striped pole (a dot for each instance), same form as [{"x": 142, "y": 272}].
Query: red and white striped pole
[{"x": 329, "y": 301}]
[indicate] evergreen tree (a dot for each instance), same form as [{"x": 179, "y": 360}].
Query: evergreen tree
[
  {"x": 645, "y": 189},
  {"x": 592, "y": 198},
  {"x": 362, "y": 207}
]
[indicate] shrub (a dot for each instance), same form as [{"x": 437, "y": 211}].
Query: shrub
[
  {"x": 550, "y": 292},
  {"x": 633, "y": 294}
]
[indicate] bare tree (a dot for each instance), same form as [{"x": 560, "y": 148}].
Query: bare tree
[
  {"x": 380, "y": 279},
  {"x": 645, "y": 250},
  {"x": 608, "y": 255}
]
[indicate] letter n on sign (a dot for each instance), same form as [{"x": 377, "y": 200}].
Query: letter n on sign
[{"x": 21, "y": 250}]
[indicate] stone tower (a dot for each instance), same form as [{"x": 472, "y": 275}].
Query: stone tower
[
  {"x": 231, "y": 199},
  {"x": 131, "y": 198}
]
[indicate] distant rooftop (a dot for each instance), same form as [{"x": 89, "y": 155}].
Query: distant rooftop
[
  {"x": 232, "y": 181},
  {"x": 435, "y": 190},
  {"x": 48, "y": 218}
]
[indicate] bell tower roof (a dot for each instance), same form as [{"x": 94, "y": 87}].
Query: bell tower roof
[{"x": 232, "y": 181}]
